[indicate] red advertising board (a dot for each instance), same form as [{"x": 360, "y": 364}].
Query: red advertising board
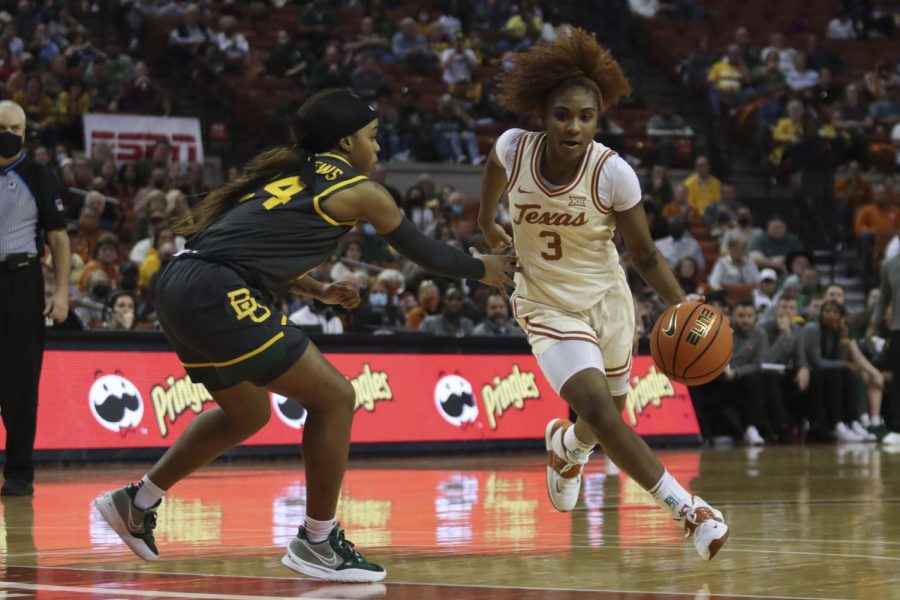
[{"x": 140, "y": 399}]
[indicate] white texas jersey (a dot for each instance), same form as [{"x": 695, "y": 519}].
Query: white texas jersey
[{"x": 563, "y": 234}]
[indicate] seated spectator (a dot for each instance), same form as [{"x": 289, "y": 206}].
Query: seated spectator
[
  {"x": 840, "y": 28},
  {"x": 162, "y": 235},
  {"x": 316, "y": 24},
  {"x": 317, "y": 316},
  {"x": 38, "y": 107},
  {"x": 188, "y": 37},
  {"x": 105, "y": 258},
  {"x": 451, "y": 129},
  {"x": 232, "y": 45},
  {"x": 727, "y": 78},
  {"x": 688, "y": 275},
  {"x": 71, "y": 105},
  {"x": 451, "y": 321},
  {"x": 120, "y": 311},
  {"x": 801, "y": 77},
  {"x": 457, "y": 62},
  {"x": 679, "y": 244},
  {"x": 525, "y": 24},
  {"x": 785, "y": 52},
  {"x": 735, "y": 267},
  {"x": 703, "y": 188},
  {"x": 734, "y": 404},
  {"x": 784, "y": 348},
  {"x": 353, "y": 251},
  {"x": 331, "y": 71},
  {"x": 728, "y": 204},
  {"x": 88, "y": 231},
  {"x": 91, "y": 306},
  {"x": 410, "y": 46},
  {"x": 367, "y": 78},
  {"x": 42, "y": 45},
  {"x": 429, "y": 302},
  {"x": 666, "y": 128},
  {"x": 497, "y": 323},
  {"x": 378, "y": 311},
  {"x": 286, "y": 59},
  {"x": 749, "y": 53},
  {"x": 833, "y": 412},
  {"x": 768, "y": 77},
  {"x": 886, "y": 110},
  {"x": 769, "y": 250},
  {"x": 876, "y": 223},
  {"x": 810, "y": 288},
  {"x": 786, "y": 137},
  {"x": 369, "y": 42},
  {"x": 143, "y": 95},
  {"x": 657, "y": 184},
  {"x": 679, "y": 204},
  {"x": 764, "y": 295}
]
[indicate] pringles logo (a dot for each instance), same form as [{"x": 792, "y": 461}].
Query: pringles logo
[
  {"x": 176, "y": 397},
  {"x": 511, "y": 391},
  {"x": 371, "y": 387},
  {"x": 646, "y": 391}
]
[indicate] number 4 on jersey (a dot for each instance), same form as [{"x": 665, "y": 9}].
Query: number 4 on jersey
[{"x": 282, "y": 191}]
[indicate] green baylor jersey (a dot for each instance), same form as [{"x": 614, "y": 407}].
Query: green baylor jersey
[{"x": 282, "y": 230}]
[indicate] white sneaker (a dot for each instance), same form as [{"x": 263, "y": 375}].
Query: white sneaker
[
  {"x": 891, "y": 439},
  {"x": 752, "y": 437},
  {"x": 563, "y": 467},
  {"x": 862, "y": 432},
  {"x": 707, "y": 527},
  {"x": 845, "y": 434}
]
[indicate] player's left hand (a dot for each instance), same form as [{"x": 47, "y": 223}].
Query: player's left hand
[{"x": 341, "y": 292}]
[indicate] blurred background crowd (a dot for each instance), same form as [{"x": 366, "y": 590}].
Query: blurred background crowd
[{"x": 766, "y": 136}]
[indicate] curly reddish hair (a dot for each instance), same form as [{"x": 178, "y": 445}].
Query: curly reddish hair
[{"x": 573, "y": 59}]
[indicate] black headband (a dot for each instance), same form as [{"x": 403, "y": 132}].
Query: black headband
[{"x": 362, "y": 115}]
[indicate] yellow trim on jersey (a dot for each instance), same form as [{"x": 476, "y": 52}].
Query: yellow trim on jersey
[
  {"x": 283, "y": 320},
  {"x": 336, "y": 157},
  {"x": 331, "y": 190},
  {"x": 240, "y": 358}
]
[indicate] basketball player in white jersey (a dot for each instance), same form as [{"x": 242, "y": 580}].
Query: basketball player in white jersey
[{"x": 567, "y": 194}]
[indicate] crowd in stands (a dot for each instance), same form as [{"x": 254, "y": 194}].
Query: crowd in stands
[{"x": 795, "y": 344}]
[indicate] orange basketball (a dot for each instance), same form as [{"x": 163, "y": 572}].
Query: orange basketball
[{"x": 691, "y": 343}]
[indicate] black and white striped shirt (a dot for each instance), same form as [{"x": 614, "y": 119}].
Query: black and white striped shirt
[{"x": 29, "y": 206}]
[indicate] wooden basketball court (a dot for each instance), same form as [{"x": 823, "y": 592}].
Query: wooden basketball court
[{"x": 810, "y": 522}]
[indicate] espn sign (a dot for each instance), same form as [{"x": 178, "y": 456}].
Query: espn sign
[{"x": 132, "y": 137}]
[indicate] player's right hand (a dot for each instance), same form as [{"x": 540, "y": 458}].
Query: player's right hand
[
  {"x": 497, "y": 268},
  {"x": 496, "y": 237}
]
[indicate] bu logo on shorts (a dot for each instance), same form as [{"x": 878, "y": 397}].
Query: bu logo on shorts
[{"x": 245, "y": 305}]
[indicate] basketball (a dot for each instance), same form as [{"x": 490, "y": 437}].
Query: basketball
[{"x": 691, "y": 343}]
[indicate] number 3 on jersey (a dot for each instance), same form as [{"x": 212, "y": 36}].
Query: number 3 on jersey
[
  {"x": 282, "y": 191},
  {"x": 555, "y": 244}
]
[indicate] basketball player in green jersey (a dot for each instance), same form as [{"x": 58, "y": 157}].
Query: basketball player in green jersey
[
  {"x": 250, "y": 241},
  {"x": 567, "y": 195}
]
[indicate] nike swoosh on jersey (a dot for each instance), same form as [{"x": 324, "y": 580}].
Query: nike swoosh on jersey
[
  {"x": 670, "y": 329},
  {"x": 521, "y": 191},
  {"x": 331, "y": 562}
]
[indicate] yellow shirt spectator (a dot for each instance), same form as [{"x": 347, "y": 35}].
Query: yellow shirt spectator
[
  {"x": 725, "y": 77},
  {"x": 702, "y": 192},
  {"x": 786, "y": 132}
]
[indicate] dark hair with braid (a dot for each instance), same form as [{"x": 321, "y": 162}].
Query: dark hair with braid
[{"x": 317, "y": 126}]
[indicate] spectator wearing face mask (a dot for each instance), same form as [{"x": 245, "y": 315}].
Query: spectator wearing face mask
[
  {"x": 450, "y": 322},
  {"x": 379, "y": 311}
]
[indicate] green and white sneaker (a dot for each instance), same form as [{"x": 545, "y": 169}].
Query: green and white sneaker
[
  {"x": 333, "y": 559},
  {"x": 134, "y": 526}
]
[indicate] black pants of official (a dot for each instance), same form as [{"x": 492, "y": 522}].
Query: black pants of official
[
  {"x": 21, "y": 355},
  {"x": 893, "y": 408}
]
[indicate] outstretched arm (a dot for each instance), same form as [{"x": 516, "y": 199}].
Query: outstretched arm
[
  {"x": 645, "y": 257},
  {"x": 371, "y": 202}
]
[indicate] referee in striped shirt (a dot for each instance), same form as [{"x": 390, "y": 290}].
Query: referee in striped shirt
[{"x": 30, "y": 212}]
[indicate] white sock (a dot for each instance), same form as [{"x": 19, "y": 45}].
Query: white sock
[
  {"x": 148, "y": 494},
  {"x": 669, "y": 494},
  {"x": 574, "y": 446},
  {"x": 317, "y": 531},
  {"x": 877, "y": 421},
  {"x": 864, "y": 420}
]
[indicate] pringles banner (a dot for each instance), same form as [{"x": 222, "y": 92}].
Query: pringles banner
[{"x": 139, "y": 399}]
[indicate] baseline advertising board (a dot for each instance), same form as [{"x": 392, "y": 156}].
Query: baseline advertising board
[{"x": 144, "y": 399}]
